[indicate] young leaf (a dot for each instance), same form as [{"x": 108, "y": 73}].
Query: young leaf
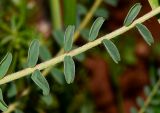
[
  {"x": 68, "y": 38},
  {"x": 40, "y": 81},
  {"x": 95, "y": 28},
  {"x": 112, "y": 50},
  {"x": 132, "y": 14},
  {"x": 69, "y": 69},
  {"x": 4, "y": 64},
  {"x": 146, "y": 34},
  {"x": 3, "y": 105},
  {"x": 33, "y": 53}
]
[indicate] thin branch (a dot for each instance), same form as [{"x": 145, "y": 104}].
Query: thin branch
[
  {"x": 45, "y": 72},
  {"x": 83, "y": 24},
  {"x": 79, "y": 50},
  {"x": 149, "y": 98}
]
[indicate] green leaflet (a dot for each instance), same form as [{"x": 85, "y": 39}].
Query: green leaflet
[
  {"x": 40, "y": 81},
  {"x": 69, "y": 69},
  {"x": 95, "y": 28},
  {"x": 133, "y": 110},
  {"x": 85, "y": 34},
  {"x": 33, "y": 53},
  {"x": 146, "y": 34},
  {"x": 147, "y": 90},
  {"x": 58, "y": 75},
  {"x": 18, "y": 111},
  {"x": 68, "y": 38},
  {"x": 4, "y": 64},
  {"x": 58, "y": 35},
  {"x": 132, "y": 14},
  {"x": 3, "y": 105},
  {"x": 154, "y": 4},
  {"x": 102, "y": 12},
  {"x": 48, "y": 100},
  {"x": 112, "y": 50},
  {"x": 140, "y": 101},
  {"x": 12, "y": 90},
  {"x": 44, "y": 53},
  {"x": 112, "y": 2},
  {"x": 81, "y": 9}
]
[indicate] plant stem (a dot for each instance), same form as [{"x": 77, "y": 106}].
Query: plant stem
[
  {"x": 79, "y": 50},
  {"x": 13, "y": 106},
  {"x": 147, "y": 102},
  {"x": 83, "y": 24},
  {"x": 85, "y": 21},
  {"x": 56, "y": 14}
]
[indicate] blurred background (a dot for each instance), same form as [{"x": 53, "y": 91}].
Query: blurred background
[{"x": 100, "y": 85}]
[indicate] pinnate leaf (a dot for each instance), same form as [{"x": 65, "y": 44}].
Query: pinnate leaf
[
  {"x": 4, "y": 64},
  {"x": 68, "y": 38},
  {"x": 112, "y": 50},
  {"x": 3, "y": 105},
  {"x": 69, "y": 69},
  {"x": 132, "y": 14},
  {"x": 33, "y": 53},
  {"x": 40, "y": 81},
  {"x": 146, "y": 34},
  {"x": 95, "y": 28}
]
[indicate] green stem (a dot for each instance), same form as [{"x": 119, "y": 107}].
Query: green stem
[
  {"x": 83, "y": 24},
  {"x": 150, "y": 97},
  {"x": 56, "y": 14},
  {"x": 79, "y": 50}
]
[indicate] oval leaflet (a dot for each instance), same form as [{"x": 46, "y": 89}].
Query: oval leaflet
[
  {"x": 40, "y": 81},
  {"x": 95, "y": 28},
  {"x": 33, "y": 53},
  {"x": 112, "y": 50},
  {"x": 69, "y": 69},
  {"x": 68, "y": 38},
  {"x": 132, "y": 14},
  {"x": 4, "y": 64},
  {"x": 3, "y": 105},
  {"x": 146, "y": 34}
]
